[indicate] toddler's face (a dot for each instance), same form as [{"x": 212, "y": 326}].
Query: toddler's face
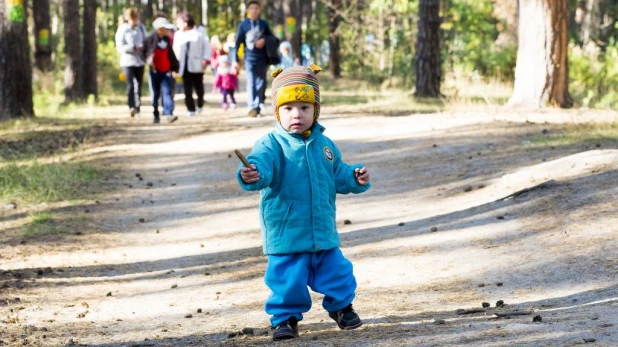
[{"x": 296, "y": 117}]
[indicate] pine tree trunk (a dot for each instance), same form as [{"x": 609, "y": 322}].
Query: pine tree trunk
[
  {"x": 72, "y": 78},
  {"x": 428, "y": 69},
  {"x": 334, "y": 20},
  {"x": 89, "y": 50},
  {"x": 542, "y": 72},
  {"x": 15, "y": 66},
  {"x": 42, "y": 35}
]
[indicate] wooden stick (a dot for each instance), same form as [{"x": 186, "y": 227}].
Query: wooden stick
[
  {"x": 515, "y": 313},
  {"x": 242, "y": 158}
]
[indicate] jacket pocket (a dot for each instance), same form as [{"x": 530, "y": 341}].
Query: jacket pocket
[{"x": 277, "y": 218}]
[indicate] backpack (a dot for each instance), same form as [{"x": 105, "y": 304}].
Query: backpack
[{"x": 273, "y": 56}]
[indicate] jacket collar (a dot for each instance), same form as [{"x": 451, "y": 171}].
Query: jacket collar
[{"x": 316, "y": 131}]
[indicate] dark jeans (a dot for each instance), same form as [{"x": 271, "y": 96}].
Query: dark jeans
[
  {"x": 161, "y": 85},
  {"x": 192, "y": 81},
  {"x": 134, "y": 75},
  {"x": 256, "y": 83},
  {"x": 227, "y": 92}
]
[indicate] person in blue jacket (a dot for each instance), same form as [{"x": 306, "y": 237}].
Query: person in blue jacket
[
  {"x": 299, "y": 171},
  {"x": 252, "y": 34}
]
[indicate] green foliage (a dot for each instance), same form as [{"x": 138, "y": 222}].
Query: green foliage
[
  {"x": 38, "y": 182},
  {"x": 594, "y": 76},
  {"x": 109, "y": 69}
]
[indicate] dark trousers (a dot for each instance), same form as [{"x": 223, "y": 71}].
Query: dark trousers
[
  {"x": 134, "y": 75},
  {"x": 190, "y": 82},
  {"x": 256, "y": 83},
  {"x": 227, "y": 92},
  {"x": 161, "y": 86}
]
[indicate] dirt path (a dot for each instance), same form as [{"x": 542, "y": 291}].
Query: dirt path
[{"x": 174, "y": 259}]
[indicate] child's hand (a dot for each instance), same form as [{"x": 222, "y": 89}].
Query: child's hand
[
  {"x": 249, "y": 175},
  {"x": 362, "y": 176}
]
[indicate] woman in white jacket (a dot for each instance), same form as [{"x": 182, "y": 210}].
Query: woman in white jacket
[{"x": 192, "y": 49}]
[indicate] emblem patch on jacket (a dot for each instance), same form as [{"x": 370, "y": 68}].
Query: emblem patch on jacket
[{"x": 329, "y": 154}]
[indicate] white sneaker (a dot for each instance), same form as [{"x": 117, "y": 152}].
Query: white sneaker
[
  {"x": 136, "y": 114},
  {"x": 199, "y": 110},
  {"x": 191, "y": 114}
]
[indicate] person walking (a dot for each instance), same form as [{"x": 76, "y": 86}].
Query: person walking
[
  {"x": 252, "y": 33},
  {"x": 192, "y": 49},
  {"x": 162, "y": 64},
  {"x": 226, "y": 81},
  {"x": 129, "y": 39}
]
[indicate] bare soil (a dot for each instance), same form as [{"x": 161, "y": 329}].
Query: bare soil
[{"x": 170, "y": 251}]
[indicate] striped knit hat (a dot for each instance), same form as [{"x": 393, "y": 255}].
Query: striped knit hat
[{"x": 296, "y": 83}]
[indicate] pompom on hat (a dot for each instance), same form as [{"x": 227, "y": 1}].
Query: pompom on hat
[{"x": 296, "y": 83}]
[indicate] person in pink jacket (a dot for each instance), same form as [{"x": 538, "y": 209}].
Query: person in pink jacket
[{"x": 226, "y": 81}]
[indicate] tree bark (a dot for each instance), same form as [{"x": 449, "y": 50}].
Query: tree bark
[
  {"x": 428, "y": 68},
  {"x": 42, "y": 35},
  {"x": 89, "y": 50},
  {"x": 72, "y": 78},
  {"x": 542, "y": 73},
  {"x": 334, "y": 20},
  {"x": 15, "y": 66}
]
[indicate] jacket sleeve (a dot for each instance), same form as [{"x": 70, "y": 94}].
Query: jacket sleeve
[
  {"x": 150, "y": 44},
  {"x": 345, "y": 179},
  {"x": 206, "y": 48},
  {"x": 240, "y": 38},
  {"x": 121, "y": 43},
  {"x": 262, "y": 157},
  {"x": 175, "y": 65}
]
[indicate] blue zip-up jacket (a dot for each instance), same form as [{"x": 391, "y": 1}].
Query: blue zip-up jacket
[
  {"x": 247, "y": 34},
  {"x": 299, "y": 181}
]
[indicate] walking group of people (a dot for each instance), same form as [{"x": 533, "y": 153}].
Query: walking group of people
[{"x": 184, "y": 51}]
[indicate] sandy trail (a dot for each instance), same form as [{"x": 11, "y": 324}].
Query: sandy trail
[{"x": 131, "y": 283}]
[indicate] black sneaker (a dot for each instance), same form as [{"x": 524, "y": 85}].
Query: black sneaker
[
  {"x": 286, "y": 330},
  {"x": 157, "y": 120},
  {"x": 346, "y": 318}
]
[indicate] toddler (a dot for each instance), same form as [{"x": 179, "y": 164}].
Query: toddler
[{"x": 226, "y": 80}]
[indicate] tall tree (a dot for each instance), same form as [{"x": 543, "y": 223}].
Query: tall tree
[
  {"x": 72, "y": 78},
  {"x": 334, "y": 22},
  {"x": 15, "y": 67},
  {"x": 542, "y": 70},
  {"x": 428, "y": 68},
  {"x": 42, "y": 35},
  {"x": 89, "y": 49}
]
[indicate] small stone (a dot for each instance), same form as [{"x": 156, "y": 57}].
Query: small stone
[
  {"x": 439, "y": 321},
  {"x": 157, "y": 231},
  {"x": 138, "y": 174},
  {"x": 401, "y": 224},
  {"x": 537, "y": 319},
  {"x": 206, "y": 273},
  {"x": 481, "y": 186},
  {"x": 142, "y": 220},
  {"x": 78, "y": 233},
  {"x": 589, "y": 340},
  {"x": 174, "y": 286},
  {"x": 481, "y": 285},
  {"x": 149, "y": 184},
  {"x": 545, "y": 131},
  {"x": 218, "y": 293},
  {"x": 499, "y": 284},
  {"x": 201, "y": 245},
  {"x": 598, "y": 145},
  {"x": 347, "y": 222},
  {"x": 247, "y": 331},
  {"x": 188, "y": 315},
  {"x": 434, "y": 229},
  {"x": 109, "y": 294},
  {"x": 499, "y": 303},
  {"x": 173, "y": 184},
  {"x": 435, "y": 145},
  {"x": 486, "y": 304},
  {"x": 199, "y": 310},
  {"x": 229, "y": 155},
  {"x": 500, "y": 217},
  {"x": 468, "y": 189}
]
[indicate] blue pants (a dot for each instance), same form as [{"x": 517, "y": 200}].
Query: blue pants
[
  {"x": 161, "y": 86},
  {"x": 288, "y": 275},
  {"x": 256, "y": 83}
]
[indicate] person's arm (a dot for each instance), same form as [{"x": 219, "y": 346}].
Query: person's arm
[
  {"x": 263, "y": 162},
  {"x": 345, "y": 175},
  {"x": 267, "y": 31},
  {"x": 175, "y": 65},
  {"x": 240, "y": 38},
  {"x": 206, "y": 48},
  {"x": 122, "y": 45}
]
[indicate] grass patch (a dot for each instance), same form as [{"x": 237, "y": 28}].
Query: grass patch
[
  {"x": 35, "y": 183},
  {"x": 589, "y": 134},
  {"x": 44, "y": 223}
]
